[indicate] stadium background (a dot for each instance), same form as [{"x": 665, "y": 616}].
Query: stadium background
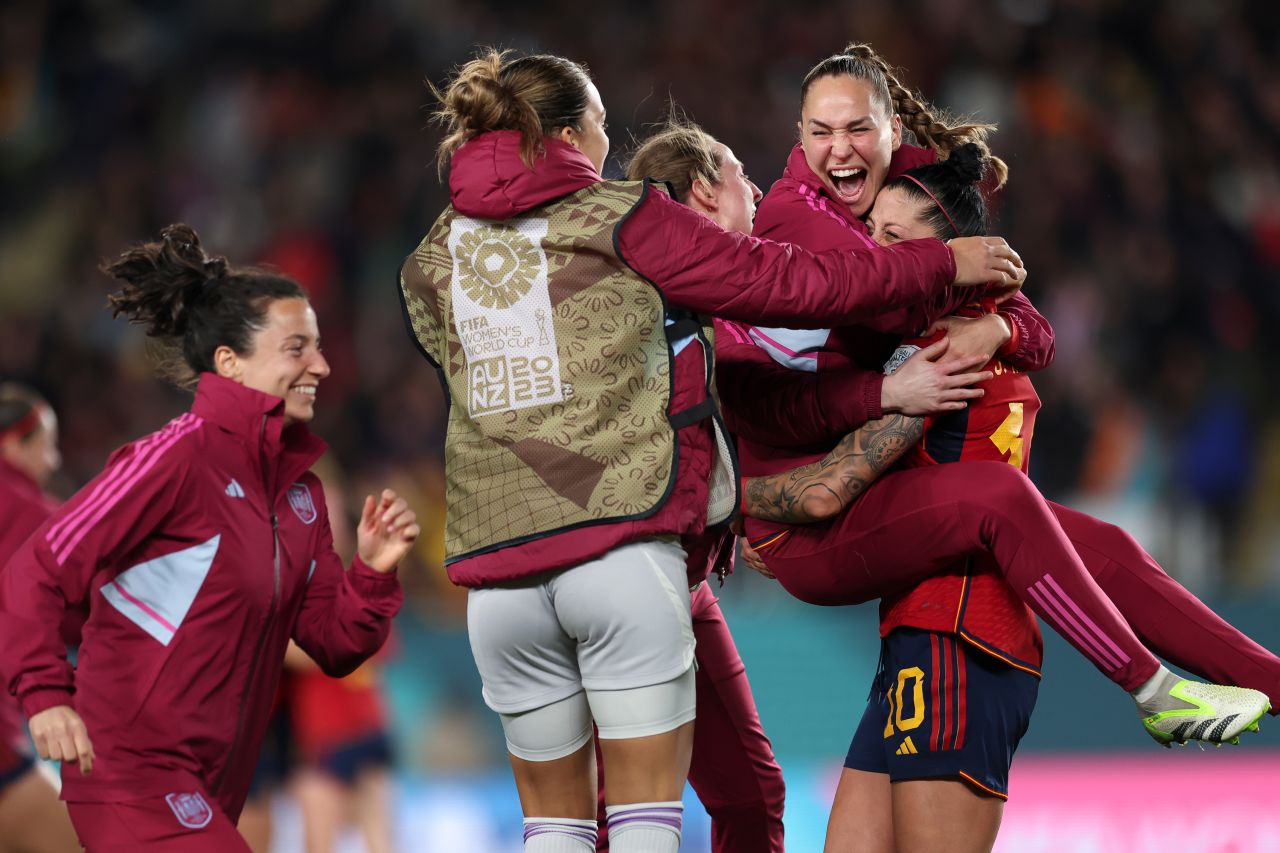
[{"x": 1144, "y": 148}]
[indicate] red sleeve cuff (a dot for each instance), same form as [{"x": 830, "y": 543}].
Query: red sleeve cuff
[
  {"x": 365, "y": 577},
  {"x": 872, "y": 392},
  {"x": 1015, "y": 336},
  {"x": 44, "y": 699},
  {"x": 852, "y": 398}
]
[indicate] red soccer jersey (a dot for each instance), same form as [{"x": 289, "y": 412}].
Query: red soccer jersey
[
  {"x": 973, "y": 600},
  {"x": 329, "y": 713}
]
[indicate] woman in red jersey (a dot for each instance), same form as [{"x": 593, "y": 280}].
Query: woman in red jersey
[
  {"x": 340, "y": 726},
  {"x": 1167, "y": 618},
  {"x": 199, "y": 552},
  {"x": 913, "y": 524},
  {"x": 31, "y": 818},
  {"x": 559, "y": 309},
  {"x": 943, "y": 199}
]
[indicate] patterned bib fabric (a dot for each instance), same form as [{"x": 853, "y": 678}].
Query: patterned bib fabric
[{"x": 557, "y": 363}]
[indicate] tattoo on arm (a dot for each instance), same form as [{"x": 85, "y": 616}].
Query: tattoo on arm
[{"x": 822, "y": 489}]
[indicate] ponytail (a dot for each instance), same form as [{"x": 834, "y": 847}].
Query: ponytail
[
  {"x": 191, "y": 303},
  {"x": 535, "y": 95},
  {"x": 162, "y": 280}
]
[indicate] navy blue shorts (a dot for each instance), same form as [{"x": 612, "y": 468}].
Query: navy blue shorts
[
  {"x": 275, "y": 757},
  {"x": 346, "y": 761},
  {"x": 942, "y": 709}
]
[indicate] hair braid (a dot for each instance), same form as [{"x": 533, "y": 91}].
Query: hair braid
[{"x": 931, "y": 126}]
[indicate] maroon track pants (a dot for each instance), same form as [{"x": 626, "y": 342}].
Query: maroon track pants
[
  {"x": 1172, "y": 622},
  {"x": 911, "y": 525},
  {"x": 188, "y": 822},
  {"x": 733, "y": 770}
]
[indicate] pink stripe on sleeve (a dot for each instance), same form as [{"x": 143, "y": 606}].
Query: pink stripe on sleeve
[
  {"x": 818, "y": 203},
  {"x": 736, "y": 332},
  {"x": 755, "y": 330},
  {"x": 59, "y": 532},
  {"x": 105, "y": 505}
]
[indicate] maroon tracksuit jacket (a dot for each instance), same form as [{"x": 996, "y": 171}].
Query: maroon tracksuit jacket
[{"x": 200, "y": 551}]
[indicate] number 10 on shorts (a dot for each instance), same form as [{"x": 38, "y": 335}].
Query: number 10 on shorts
[{"x": 909, "y": 687}]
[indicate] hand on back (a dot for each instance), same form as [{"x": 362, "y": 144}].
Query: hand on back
[
  {"x": 928, "y": 384},
  {"x": 972, "y": 338},
  {"x": 753, "y": 559},
  {"x": 987, "y": 260}
]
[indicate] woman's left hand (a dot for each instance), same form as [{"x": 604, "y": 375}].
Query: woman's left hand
[
  {"x": 973, "y": 336},
  {"x": 387, "y": 530},
  {"x": 753, "y": 559}
]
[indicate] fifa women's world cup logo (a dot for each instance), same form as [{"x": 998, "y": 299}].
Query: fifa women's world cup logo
[
  {"x": 501, "y": 307},
  {"x": 496, "y": 266}
]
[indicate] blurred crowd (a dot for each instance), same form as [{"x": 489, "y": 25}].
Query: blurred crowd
[{"x": 1144, "y": 148}]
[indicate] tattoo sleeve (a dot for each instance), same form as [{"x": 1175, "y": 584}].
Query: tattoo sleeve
[{"x": 824, "y": 488}]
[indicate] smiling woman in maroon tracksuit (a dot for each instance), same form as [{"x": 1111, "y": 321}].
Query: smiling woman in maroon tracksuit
[{"x": 199, "y": 551}]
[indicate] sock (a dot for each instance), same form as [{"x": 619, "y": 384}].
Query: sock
[
  {"x": 645, "y": 827},
  {"x": 1153, "y": 695},
  {"x": 559, "y": 835}
]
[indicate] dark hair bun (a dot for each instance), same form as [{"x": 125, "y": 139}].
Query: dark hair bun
[
  {"x": 967, "y": 163},
  {"x": 161, "y": 281},
  {"x": 183, "y": 241},
  {"x": 192, "y": 303}
]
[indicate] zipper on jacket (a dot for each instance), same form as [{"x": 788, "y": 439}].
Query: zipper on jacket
[{"x": 266, "y": 625}]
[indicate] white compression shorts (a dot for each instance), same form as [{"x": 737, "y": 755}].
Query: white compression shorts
[
  {"x": 613, "y": 625},
  {"x": 564, "y": 727}
]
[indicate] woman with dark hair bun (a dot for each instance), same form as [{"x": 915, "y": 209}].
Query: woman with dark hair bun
[{"x": 199, "y": 552}]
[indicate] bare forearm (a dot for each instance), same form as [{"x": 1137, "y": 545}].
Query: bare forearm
[{"x": 822, "y": 489}]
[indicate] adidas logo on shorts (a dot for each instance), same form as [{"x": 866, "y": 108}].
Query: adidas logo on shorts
[{"x": 907, "y": 747}]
